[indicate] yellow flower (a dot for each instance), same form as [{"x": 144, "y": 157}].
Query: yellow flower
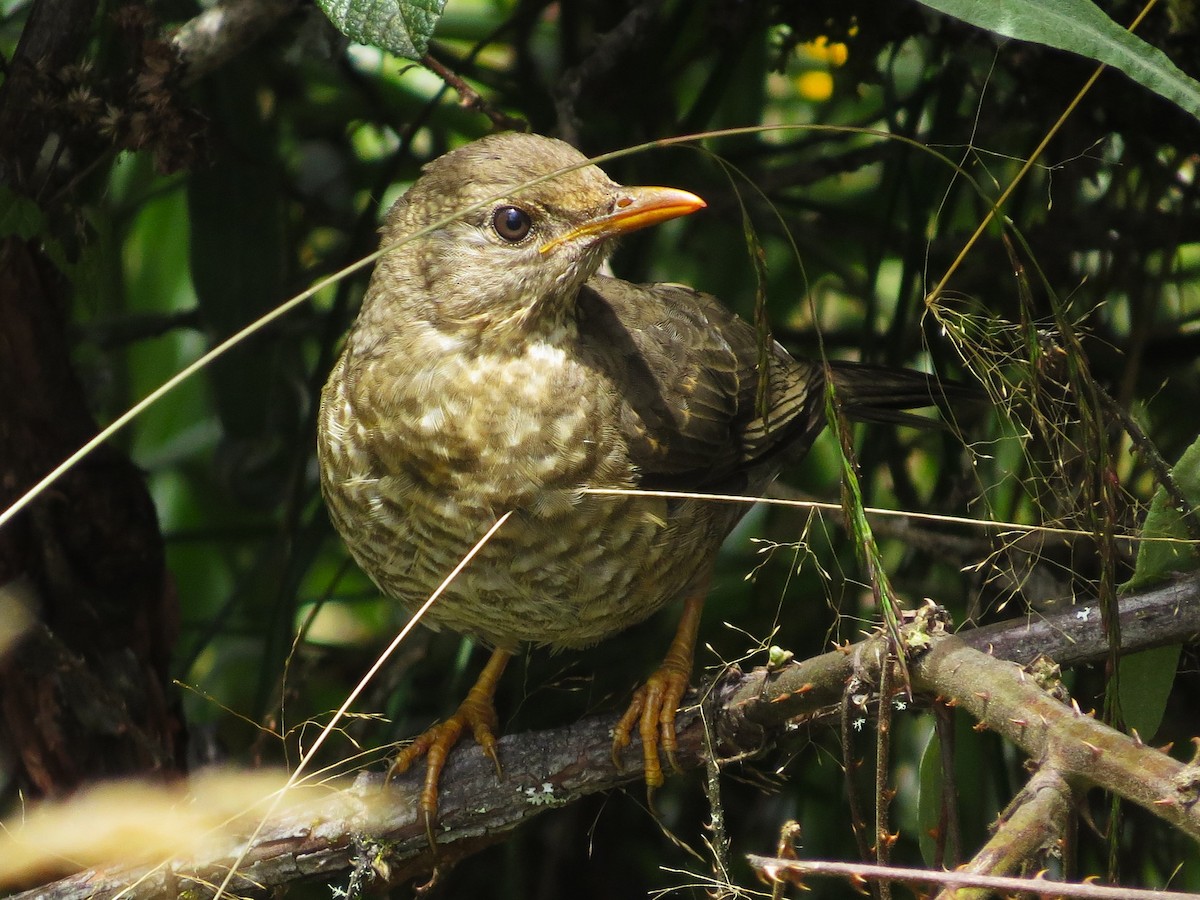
[
  {"x": 814, "y": 85},
  {"x": 822, "y": 50}
]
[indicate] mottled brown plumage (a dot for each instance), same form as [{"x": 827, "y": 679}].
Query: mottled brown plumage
[{"x": 491, "y": 369}]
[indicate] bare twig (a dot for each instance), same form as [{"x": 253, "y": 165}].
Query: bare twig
[
  {"x": 883, "y": 794},
  {"x": 794, "y": 870},
  {"x": 471, "y": 98}
]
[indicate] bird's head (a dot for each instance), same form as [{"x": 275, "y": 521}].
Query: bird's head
[{"x": 515, "y": 264}]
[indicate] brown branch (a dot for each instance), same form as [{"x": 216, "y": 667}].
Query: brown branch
[
  {"x": 1034, "y": 821},
  {"x": 469, "y": 98},
  {"x": 220, "y": 33},
  {"x": 1000, "y": 696},
  {"x": 365, "y": 831},
  {"x": 608, "y": 52}
]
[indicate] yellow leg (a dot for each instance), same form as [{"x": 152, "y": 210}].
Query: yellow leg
[
  {"x": 477, "y": 711},
  {"x": 655, "y": 703}
]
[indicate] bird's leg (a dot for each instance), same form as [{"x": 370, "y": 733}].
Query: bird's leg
[
  {"x": 477, "y": 711},
  {"x": 655, "y": 703}
]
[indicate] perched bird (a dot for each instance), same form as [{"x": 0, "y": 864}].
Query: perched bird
[{"x": 491, "y": 369}]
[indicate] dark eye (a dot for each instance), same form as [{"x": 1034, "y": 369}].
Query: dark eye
[{"x": 512, "y": 223}]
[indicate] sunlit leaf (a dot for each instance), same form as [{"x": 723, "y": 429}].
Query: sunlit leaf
[{"x": 402, "y": 26}]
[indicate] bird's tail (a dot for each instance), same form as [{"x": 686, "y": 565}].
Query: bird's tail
[{"x": 868, "y": 393}]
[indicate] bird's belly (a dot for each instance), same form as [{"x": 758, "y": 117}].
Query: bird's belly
[
  {"x": 568, "y": 568},
  {"x": 566, "y": 580}
]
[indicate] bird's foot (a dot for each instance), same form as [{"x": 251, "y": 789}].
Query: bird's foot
[
  {"x": 477, "y": 712},
  {"x": 655, "y": 703},
  {"x": 653, "y": 709}
]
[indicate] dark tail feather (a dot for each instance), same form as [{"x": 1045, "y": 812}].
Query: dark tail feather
[{"x": 868, "y": 393}]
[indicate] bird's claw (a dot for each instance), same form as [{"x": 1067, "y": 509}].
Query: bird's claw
[
  {"x": 653, "y": 709},
  {"x": 435, "y": 743}
]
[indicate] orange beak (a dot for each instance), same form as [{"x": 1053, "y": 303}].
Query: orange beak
[{"x": 636, "y": 208}]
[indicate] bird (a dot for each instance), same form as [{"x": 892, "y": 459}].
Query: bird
[{"x": 494, "y": 370}]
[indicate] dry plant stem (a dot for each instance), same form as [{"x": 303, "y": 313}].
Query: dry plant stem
[
  {"x": 1036, "y": 819},
  {"x": 998, "y": 694},
  {"x": 789, "y": 835},
  {"x": 949, "y": 845},
  {"x": 813, "y": 688},
  {"x": 719, "y": 842},
  {"x": 935, "y": 295},
  {"x": 548, "y": 769},
  {"x": 883, "y": 745},
  {"x": 850, "y": 715},
  {"x": 793, "y": 871}
]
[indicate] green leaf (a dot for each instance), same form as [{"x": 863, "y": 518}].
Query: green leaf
[
  {"x": 1145, "y": 679},
  {"x": 1079, "y": 26},
  {"x": 19, "y": 216},
  {"x": 930, "y": 800},
  {"x": 1159, "y": 559},
  {"x": 402, "y": 26}
]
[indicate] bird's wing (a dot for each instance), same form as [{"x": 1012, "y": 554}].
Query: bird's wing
[{"x": 686, "y": 371}]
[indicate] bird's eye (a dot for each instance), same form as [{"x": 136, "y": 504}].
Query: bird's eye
[{"x": 512, "y": 223}]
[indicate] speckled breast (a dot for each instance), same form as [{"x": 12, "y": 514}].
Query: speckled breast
[{"x": 411, "y": 493}]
